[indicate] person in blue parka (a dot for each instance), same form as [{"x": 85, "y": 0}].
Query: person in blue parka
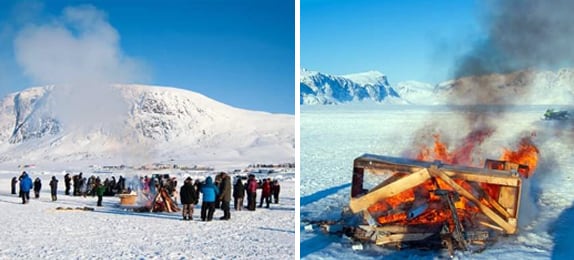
[
  {"x": 210, "y": 192},
  {"x": 25, "y": 186}
]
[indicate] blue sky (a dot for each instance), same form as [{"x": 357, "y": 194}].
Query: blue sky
[
  {"x": 406, "y": 40},
  {"x": 239, "y": 52}
]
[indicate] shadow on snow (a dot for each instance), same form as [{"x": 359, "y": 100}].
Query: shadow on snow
[
  {"x": 322, "y": 194},
  {"x": 563, "y": 234}
]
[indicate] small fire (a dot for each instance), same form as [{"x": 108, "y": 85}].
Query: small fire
[
  {"x": 461, "y": 155},
  {"x": 439, "y": 151},
  {"x": 527, "y": 154}
]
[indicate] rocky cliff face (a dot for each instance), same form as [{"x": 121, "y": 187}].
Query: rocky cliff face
[{"x": 319, "y": 88}]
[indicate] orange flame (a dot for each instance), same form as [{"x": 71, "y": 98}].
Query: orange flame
[
  {"x": 394, "y": 208},
  {"x": 461, "y": 155},
  {"x": 439, "y": 151},
  {"x": 527, "y": 154}
]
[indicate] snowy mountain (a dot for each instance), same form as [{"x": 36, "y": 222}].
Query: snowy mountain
[
  {"x": 156, "y": 123},
  {"x": 528, "y": 87},
  {"x": 416, "y": 92},
  {"x": 319, "y": 88},
  {"x": 522, "y": 87}
]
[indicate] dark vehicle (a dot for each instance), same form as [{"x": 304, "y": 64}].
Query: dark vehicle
[{"x": 556, "y": 115}]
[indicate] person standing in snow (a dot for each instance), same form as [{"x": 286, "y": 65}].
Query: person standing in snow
[
  {"x": 54, "y": 188},
  {"x": 84, "y": 187},
  {"x": 225, "y": 195},
  {"x": 152, "y": 186},
  {"x": 75, "y": 185},
  {"x": 188, "y": 198},
  {"x": 265, "y": 193},
  {"x": 14, "y": 182},
  {"x": 251, "y": 192},
  {"x": 197, "y": 186},
  {"x": 217, "y": 183},
  {"x": 68, "y": 183},
  {"x": 25, "y": 186},
  {"x": 238, "y": 194},
  {"x": 121, "y": 186},
  {"x": 210, "y": 192},
  {"x": 37, "y": 187},
  {"x": 275, "y": 189},
  {"x": 100, "y": 189}
]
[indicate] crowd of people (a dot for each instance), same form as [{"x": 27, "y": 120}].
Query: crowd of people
[
  {"x": 26, "y": 185},
  {"x": 216, "y": 193},
  {"x": 81, "y": 186}
]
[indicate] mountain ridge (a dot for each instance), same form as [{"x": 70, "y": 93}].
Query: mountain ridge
[
  {"x": 534, "y": 87},
  {"x": 320, "y": 88},
  {"x": 155, "y": 123}
]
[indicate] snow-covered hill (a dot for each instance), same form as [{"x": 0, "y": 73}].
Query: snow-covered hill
[
  {"x": 320, "y": 88},
  {"x": 416, "y": 92},
  {"x": 156, "y": 123},
  {"x": 517, "y": 88}
]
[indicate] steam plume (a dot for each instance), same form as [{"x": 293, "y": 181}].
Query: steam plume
[{"x": 79, "y": 52}]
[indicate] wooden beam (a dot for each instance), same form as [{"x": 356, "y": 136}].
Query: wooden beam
[
  {"x": 386, "y": 239},
  {"x": 510, "y": 229},
  {"x": 508, "y": 198},
  {"x": 466, "y": 173},
  {"x": 500, "y": 209},
  {"x": 407, "y": 182},
  {"x": 484, "y": 178},
  {"x": 495, "y": 227},
  {"x": 394, "y": 229}
]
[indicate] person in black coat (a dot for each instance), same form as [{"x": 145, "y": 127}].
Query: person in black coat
[
  {"x": 54, "y": 188},
  {"x": 68, "y": 183},
  {"x": 14, "y": 182},
  {"x": 37, "y": 187},
  {"x": 188, "y": 198},
  {"x": 238, "y": 194},
  {"x": 275, "y": 189}
]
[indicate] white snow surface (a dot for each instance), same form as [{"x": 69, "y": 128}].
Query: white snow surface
[
  {"x": 333, "y": 136},
  {"x": 419, "y": 93},
  {"x": 38, "y": 231}
]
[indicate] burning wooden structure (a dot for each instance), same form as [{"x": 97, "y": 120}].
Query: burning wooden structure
[
  {"x": 410, "y": 202},
  {"x": 157, "y": 202},
  {"x": 162, "y": 202}
]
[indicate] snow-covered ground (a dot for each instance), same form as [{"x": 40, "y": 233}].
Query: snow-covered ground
[
  {"x": 331, "y": 137},
  {"x": 37, "y": 230}
]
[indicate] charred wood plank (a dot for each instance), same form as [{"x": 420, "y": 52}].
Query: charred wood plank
[
  {"x": 510, "y": 229},
  {"x": 397, "y": 238},
  {"x": 408, "y": 182}
]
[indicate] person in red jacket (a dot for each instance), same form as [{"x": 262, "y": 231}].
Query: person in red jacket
[
  {"x": 251, "y": 192},
  {"x": 265, "y": 193}
]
